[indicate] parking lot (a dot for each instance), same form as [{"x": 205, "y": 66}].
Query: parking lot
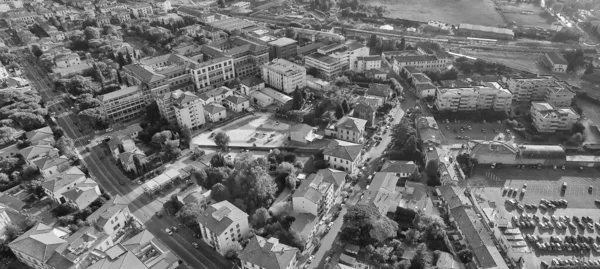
[
  {"x": 458, "y": 132},
  {"x": 496, "y": 186}
]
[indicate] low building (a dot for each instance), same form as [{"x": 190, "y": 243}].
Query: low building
[
  {"x": 548, "y": 119},
  {"x": 284, "y": 75},
  {"x": 302, "y": 133},
  {"x": 217, "y": 95},
  {"x": 215, "y": 112},
  {"x": 268, "y": 254},
  {"x": 366, "y": 109},
  {"x": 424, "y": 62},
  {"x": 36, "y": 152},
  {"x": 41, "y": 136},
  {"x": 425, "y": 90},
  {"x": 555, "y": 62},
  {"x": 83, "y": 194},
  {"x": 65, "y": 181},
  {"x": 237, "y": 103},
  {"x": 382, "y": 193},
  {"x": 36, "y": 246},
  {"x": 280, "y": 98},
  {"x": 51, "y": 166},
  {"x": 480, "y": 31},
  {"x": 403, "y": 169},
  {"x": 343, "y": 156},
  {"x": 222, "y": 224},
  {"x": 503, "y": 152},
  {"x": 261, "y": 99},
  {"x": 317, "y": 83}
]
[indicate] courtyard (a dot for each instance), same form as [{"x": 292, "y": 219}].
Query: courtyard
[
  {"x": 260, "y": 130},
  {"x": 488, "y": 186}
]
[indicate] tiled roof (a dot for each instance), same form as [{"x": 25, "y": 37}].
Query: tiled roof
[
  {"x": 399, "y": 167},
  {"x": 219, "y": 216},
  {"x": 144, "y": 73},
  {"x": 236, "y": 99},
  {"x": 39, "y": 134},
  {"x": 370, "y": 104},
  {"x": 415, "y": 58},
  {"x": 83, "y": 194},
  {"x": 333, "y": 176},
  {"x": 36, "y": 150},
  {"x": 73, "y": 174},
  {"x": 140, "y": 239},
  {"x": 382, "y": 193},
  {"x": 352, "y": 124},
  {"x": 214, "y": 108},
  {"x": 301, "y": 127},
  {"x": 556, "y": 58},
  {"x": 119, "y": 93},
  {"x": 108, "y": 210},
  {"x": 284, "y": 41},
  {"x": 268, "y": 254},
  {"x": 313, "y": 188},
  {"x": 346, "y": 152},
  {"x": 39, "y": 242},
  {"x": 47, "y": 162}
]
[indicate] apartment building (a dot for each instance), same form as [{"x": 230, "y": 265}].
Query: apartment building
[
  {"x": 248, "y": 56},
  {"x": 284, "y": 75},
  {"x": 490, "y": 95},
  {"x": 111, "y": 216},
  {"x": 268, "y": 254},
  {"x": 140, "y": 10},
  {"x": 283, "y": 48},
  {"x": 548, "y": 119},
  {"x": 350, "y": 129},
  {"x": 314, "y": 196},
  {"x": 541, "y": 89},
  {"x": 222, "y": 224},
  {"x": 366, "y": 109},
  {"x": 184, "y": 108},
  {"x": 365, "y": 63},
  {"x": 212, "y": 73},
  {"x": 328, "y": 67},
  {"x": 422, "y": 59},
  {"x": 343, "y": 156},
  {"x": 125, "y": 104}
]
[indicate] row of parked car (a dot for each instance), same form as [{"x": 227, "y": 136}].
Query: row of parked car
[{"x": 573, "y": 262}]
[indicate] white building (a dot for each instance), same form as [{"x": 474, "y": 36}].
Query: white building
[
  {"x": 284, "y": 75},
  {"x": 280, "y": 98},
  {"x": 262, "y": 99},
  {"x": 268, "y": 254},
  {"x": 548, "y": 119},
  {"x": 314, "y": 196},
  {"x": 328, "y": 67},
  {"x": 185, "y": 108},
  {"x": 215, "y": 112},
  {"x": 490, "y": 95},
  {"x": 237, "y": 103},
  {"x": 343, "y": 156},
  {"x": 222, "y": 224},
  {"x": 212, "y": 72},
  {"x": 350, "y": 129},
  {"x": 439, "y": 24},
  {"x": 364, "y": 63}
]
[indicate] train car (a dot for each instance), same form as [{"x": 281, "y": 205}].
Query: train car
[{"x": 481, "y": 41}]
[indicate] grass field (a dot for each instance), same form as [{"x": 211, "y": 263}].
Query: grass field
[
  {"x": 512, "y": 11},
  {"x": 448, "y": 11}
]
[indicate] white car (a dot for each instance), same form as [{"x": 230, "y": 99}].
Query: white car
[{"x": 168, "y": 231}]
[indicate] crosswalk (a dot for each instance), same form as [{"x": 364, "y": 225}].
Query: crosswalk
[{"x": 492, "y": 176}]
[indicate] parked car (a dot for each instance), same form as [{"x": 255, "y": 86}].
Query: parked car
[{"x": 168, "y": 231}]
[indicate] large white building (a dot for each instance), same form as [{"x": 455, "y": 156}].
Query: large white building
[
  {"x": 328, "y": 67},
  {"x": 548, "y": 119},
  {"x": 543, "y": 88},
  {"x": 284, "y": 75},
  {"x": 314, "y": 196},
  {"x": 365, "y": 63},
  {"x": 125, "y": 104},
  {"x": 222, "y": 224},
  {"x": 347, "y": 53},
  {"x": 213, "y": 72},
  {"x": 490, "y": 95},
  {"x": 185, "y": 108},
  {"x": 343, "y": 156}
]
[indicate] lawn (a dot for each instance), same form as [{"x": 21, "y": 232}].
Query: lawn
[
  {"x": 260, "y": 130},
  {"x": 512, "y": 11}
]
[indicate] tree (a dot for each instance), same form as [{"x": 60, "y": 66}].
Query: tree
[
  {"x": 217, "y": 160},
  {"x": 94, "y": 117},
  {"x": 260, "y": 218},
  {"x": 431, "y": 169},
  {"x": 86, "y": 101},
  {"x": 589, "y": 69},
  {"x": 91, "y": 33},
  {"x": 402, "y": 45},
  {"x": 171, "y": 149},
  {"x": 465, "y": 256},
  {"x": 290, "y": 181},
  {"x": 372, "y": 41},
  {"x": 345, "y": 106},
  {"x": 383, "y": 229},
  {"x": 479, "y": 65},
  {"x": 7, "y": 134},
  {"x": 66, "y": 147},
  {"x": 200, "y": 177},
  {"x": 222, "y": 140},
  {"x": 313, "y": 71},
  {"x": 290, "y": 32},
  {"x": 235, "y": 247},
  {"x": 189, "y": 213},
  {"x": 421, "y": 258},
  {"x": 432, "y": 227},
  {"x": 29, "y": 121},
  {"x": 339, "y": 112},
  {"x": 161, "y": 138},
  {"x": 219, "y": 192},
  {"x": 298, "y": 99}
]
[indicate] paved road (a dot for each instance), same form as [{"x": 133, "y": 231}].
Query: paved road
[{"x": 143, "y": 207}]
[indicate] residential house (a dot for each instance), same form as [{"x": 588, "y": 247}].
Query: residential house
[
  {"x": 217, "y": 95},
  {"x": 51, "y": 166},
  {"x": 350, "y": 129},
  {"x": 413, "y": 199},
  {"x": 555, "y": 62},
  {"x": 222, "y": 224},
  {"x": 111, "y": 216},
  {"x": 302, "y": 133},
  {"x": 127, "y": 160},
  {"x": 237, "y": 103},
  {"x": 314, "y": 196},
  {"x": 36, "y": 246},
  {"x": 252, "y": 84},
  {"x": 83, "y": 194},
  {"x": 195, "y": 194},
  {"x": 9, "y": 217},
  {"x": 268, "y": 254},
  {"x": 35, "y": 152},
  {"x": 41, "y": 136},
  {"x": 548, "y": 119},
  {"x": 261, "y": 99},
  {"x": 343, "y": 156},
  {"x": 425, "y": 90},
  {"x": 403, "y": 169},
  {"x": 383, "y": 92},
  {"x": 382, "y": 193},
  {"x": 215, "y": 112},
  {"x": 132, "y": 130},
  {"x": 366, "y": 109},
  {"x": 65, "y": 181}
]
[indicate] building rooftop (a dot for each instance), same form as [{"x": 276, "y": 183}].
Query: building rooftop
[
  {"x": 214, "y": 108},
  {"x": 346, "y": 151},
  {"x": 284, "y": 41},
  {"x": 399, "y": 166},
  {"x": 323, "y": 58},
  {"x": 556, "y": 58},
  {"x": 219, "y": 216},
  {"x": 352, "y": 124},
  {"x": 382, "y": 193},
  {"x": 466, "y": 26},
  {"x": 268, "y": 253},
  {"x": 39, "y": 242},
  {"x": 286, "y": 67},
  {"x": 119, "y": 93},
  {"x": 310, "y": 47}
]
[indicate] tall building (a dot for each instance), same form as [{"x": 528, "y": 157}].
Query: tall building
[
  {"x": 314, "y": 196},
  {"x": 283, "y": 48},
  {"x": 548, "y": 119},
  {"x": 125, "y": 104},
  {"x": 248, "y": 56},
  {"x": 490, "y": 95},
  {"x": 212, "y": 73},
  {"x": 544, "y": 88},
  {"x": 328, "y": 67},
  {"x": 284, "y": 75},
  {"x": 184, "y": 108},
  {"x": 160, "y": 74},
  {"x": 222, "y": 224}
]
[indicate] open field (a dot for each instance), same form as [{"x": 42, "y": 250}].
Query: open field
[
  {"x": 546, "y": 184},
  {"x": 451, "y": 12},
  {"x": 512, "y": 11},
  {"x": 260, "y": 130}
]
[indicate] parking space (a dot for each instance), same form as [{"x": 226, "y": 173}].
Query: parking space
[{"x": 459, "y": 131}]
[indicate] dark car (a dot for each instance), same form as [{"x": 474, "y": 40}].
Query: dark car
[
  {"x": 121, "y": 182},
  {"x": 158, "y": 214}
]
